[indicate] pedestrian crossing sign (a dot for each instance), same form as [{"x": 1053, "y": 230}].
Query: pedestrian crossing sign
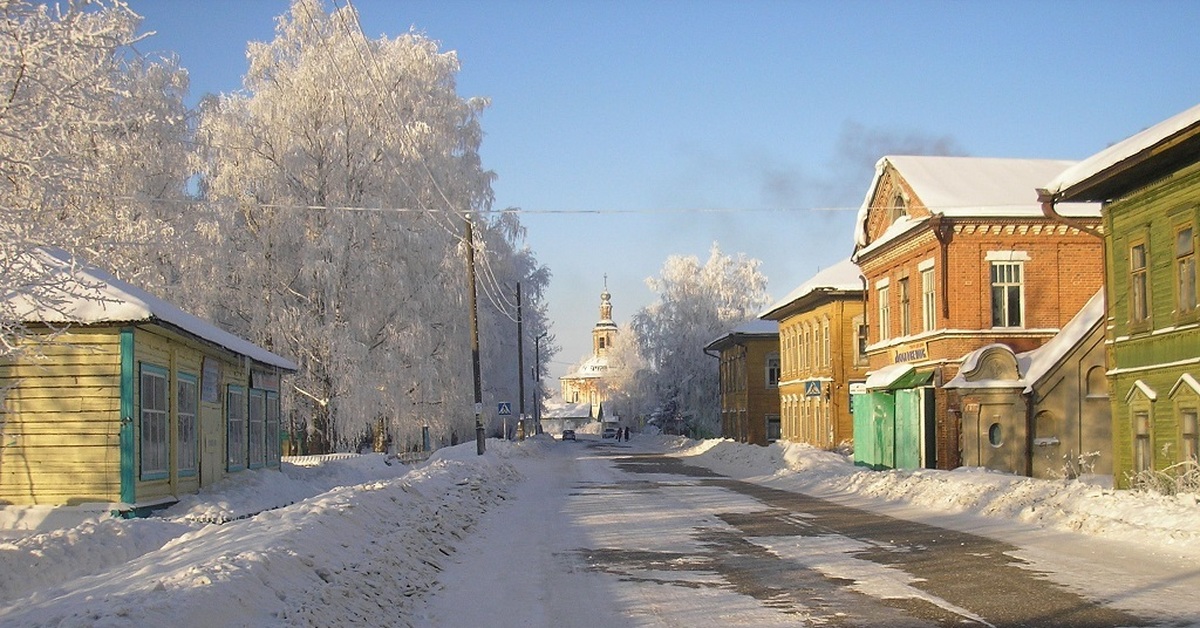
[{"x": 504, "y": 408}]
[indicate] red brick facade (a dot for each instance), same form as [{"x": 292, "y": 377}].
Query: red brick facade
[{"x": 914, "y": 258}]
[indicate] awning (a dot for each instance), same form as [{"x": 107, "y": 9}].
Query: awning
[{"x": 897, "y": 377}]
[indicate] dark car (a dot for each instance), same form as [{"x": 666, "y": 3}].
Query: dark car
[{"x": 568, "y": 435}]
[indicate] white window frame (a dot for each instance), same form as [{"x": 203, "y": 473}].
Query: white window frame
[
  {"x": 885, "y": 316},
  {"x": 1008, "y": 286},
  {"x": 154, "y": 425},
  {"x": 256, "y": 428},
  {"x": 187, "y": 424},
  {"x": 235, "y": 424},
  {"x": 928, "y": 299}
]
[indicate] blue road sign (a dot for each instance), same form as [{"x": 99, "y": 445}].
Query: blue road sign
[{"x": 504, "y": 408}]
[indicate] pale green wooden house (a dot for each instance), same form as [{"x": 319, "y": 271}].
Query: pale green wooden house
[
  {"x": 129, "y": 401},
  {"x": 1150, "y": 187}
]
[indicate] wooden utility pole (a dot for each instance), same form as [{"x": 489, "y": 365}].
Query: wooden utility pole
[
  {"x": 480, "y": 444},
  {"x": 523, "y": 429}
]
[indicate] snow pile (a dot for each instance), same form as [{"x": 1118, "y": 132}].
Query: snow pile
[
  {"x": 355, "y": 553},
  {"x": 1076, "y": 505}
]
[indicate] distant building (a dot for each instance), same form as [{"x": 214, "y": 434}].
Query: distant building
[
  {"x": 820, "y": 357},
  {"x": 129, "y": 401},
  {"x": 586, "y": 385},
  {"x": 957, "y": 255},
  {"x": 749, "y": 380},
  {"x": 1150, "y": 187}
]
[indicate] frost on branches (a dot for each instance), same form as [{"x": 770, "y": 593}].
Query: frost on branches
[
  {"x": 340, "y": 178},
  {"x": 696, "y": 304},
  {"x": 92, "y": 151}
]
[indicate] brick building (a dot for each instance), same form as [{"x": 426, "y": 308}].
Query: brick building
[
  {"x": 749, "y": 380},
  {"x": 820, "y": 355},
  {"x": 957, "y": 255}
]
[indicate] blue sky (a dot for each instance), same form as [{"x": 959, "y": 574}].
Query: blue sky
[{"x": 613, "y": 122}]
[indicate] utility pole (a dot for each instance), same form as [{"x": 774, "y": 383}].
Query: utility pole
[
  {"x": 537, "y": 382},
  {"x": 522, "y": 429},
  {"x": 480, "y": 445}
]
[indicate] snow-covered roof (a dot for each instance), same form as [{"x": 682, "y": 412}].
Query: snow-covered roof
[
  {"x": 1124, "y": 151},
  {"x": 752, "y": 327},
  {"x": 1033, "y": 365},
  {"x": 843, "y": 275},
  {"x": 972, "y": 187},
  {"x": 90, "y": 295},
  {"x": 882, "y": 378},
  {"x": 593, "y": 367}
]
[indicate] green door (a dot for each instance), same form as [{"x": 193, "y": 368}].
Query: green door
[
  {"x": 910, "y": 422},
  {"x": 883, "y": 426}
]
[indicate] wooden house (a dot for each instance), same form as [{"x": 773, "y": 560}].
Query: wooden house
[
  {"x": 120, "y": 398},
  {"x": 820, "y": 357},
  {"x": 1149, "y": 185},
  {"x": 957, "y": 255},
  {"x": 749, "y": 380}
]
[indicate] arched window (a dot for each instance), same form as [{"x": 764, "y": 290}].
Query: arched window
[{"x": 1097, "y": 382}]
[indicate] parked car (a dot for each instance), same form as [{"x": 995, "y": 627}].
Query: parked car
[
  {"x": 610, "y": 432},
  {"x": 568, "y": 435}
]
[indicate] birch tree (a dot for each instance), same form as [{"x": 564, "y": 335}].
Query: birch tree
[
  {"x": 341, "y": 175},
  {"x": 696, "y": 304},
  {"x": 92, "y": 157}
]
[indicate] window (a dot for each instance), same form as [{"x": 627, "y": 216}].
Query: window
[
  {"x": 273, "y": 428},
  {"x": 1139, "y": 298},
  {"x": 860, "y": 349},
  {"x": 235, "y": 419},
  {"x": 154, "y": 434},
  {"x": 1006, "y": 294},
  {"x": 928, "y": 301},
  {"x": 1185, "y": 270},
  {"x": 601, "y": 341},
  {"x": 186, "y": 403},
  {"x": 995, "y": 435},
  {"x": 825, "y": 343},
  {"x": 1142, "y": 460},
  {"x": 905, "y": 322},
  {"x": 256, "y": 445},
  {"x": 885, "y": 320},
  {"x": 772, "y": 371},
  {"x": 1189, "y": 437},
  {"x": 898, "y": 209}
]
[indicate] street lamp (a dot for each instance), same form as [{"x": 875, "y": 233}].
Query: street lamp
[{"x": 537, "y": 383}]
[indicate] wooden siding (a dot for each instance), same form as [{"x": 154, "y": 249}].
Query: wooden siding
[
  {"x": 1162, "y": 349},
  {"x": 61, "y": 422}
]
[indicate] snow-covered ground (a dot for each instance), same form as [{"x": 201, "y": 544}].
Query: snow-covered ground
[{"x": 365, "y": 540}]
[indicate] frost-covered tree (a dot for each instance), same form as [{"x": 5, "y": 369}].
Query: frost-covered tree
[
  {"x": 696, "y": 304},
  {"x": 92, "y": 151},
  {"x": 341, "y": 175},
  {"x": 628, "y": 384},
  {"x": 504, "y": 261}
]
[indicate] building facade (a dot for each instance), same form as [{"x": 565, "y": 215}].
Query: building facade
[
  {"x": 1150, "y": 187},
  {"x": 957, "y": 255},
  {"x": 130, "y": 402},
  {"x": 820, "y": 357},
  {"x": 749, "y": 380}
]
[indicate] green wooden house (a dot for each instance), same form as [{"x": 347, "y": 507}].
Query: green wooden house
[
  {"x": 1150, "y": 187},
  {"x": 127, "y": 402}
]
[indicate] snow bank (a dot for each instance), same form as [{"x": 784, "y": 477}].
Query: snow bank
[
  {"x": 1076, "y": 505},
  {"x": 363, "y": 537}
]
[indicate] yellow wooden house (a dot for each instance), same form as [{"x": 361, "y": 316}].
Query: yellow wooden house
[{"x": 117, "y": 397}]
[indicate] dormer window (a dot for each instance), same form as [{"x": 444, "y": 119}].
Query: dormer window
[{"x": 899, "y": 208}]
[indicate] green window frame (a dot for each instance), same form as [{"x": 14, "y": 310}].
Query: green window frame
[
  {"x": 235, "y": 428},
  {"x": 273, "y": 434},
  {"x": 256, "y": 427},
  {"x": 1139, "y": 284},
  {"x": 187, "y": 425},
  {"x": 1185, "y": 270},
  {"x": 153, "y": 426}
]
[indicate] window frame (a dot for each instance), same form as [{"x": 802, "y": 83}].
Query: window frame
[
  {"x": 903, "y": 294},
  {"x": 884, "y": 308},
  {"x": 235, "y": 427},
  {"x": 928, "y": 300},
  {"x": 256, "y": 428},
  {"x": 187, "y": 424},
  {"x": 1184, "y": 267},
  {"x": 154, "y": 431},
  {"x": 1008, "y": 287},
  {"x": 1139, "y": 285},
  {"x": 773, "y": 370}
]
